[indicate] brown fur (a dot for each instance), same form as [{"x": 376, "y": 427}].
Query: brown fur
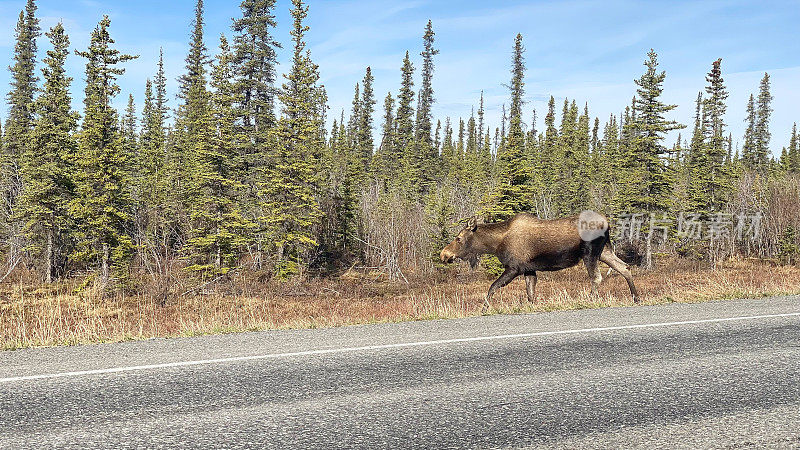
[{"x": 526, "y": 244}]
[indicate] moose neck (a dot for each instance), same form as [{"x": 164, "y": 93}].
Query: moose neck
[{"x": 488, "y": 237}]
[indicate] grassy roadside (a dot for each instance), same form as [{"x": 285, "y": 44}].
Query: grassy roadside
[{"x": 33, "y": 316}]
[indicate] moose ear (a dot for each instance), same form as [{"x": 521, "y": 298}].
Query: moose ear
[{"x": 473, "y": 224}]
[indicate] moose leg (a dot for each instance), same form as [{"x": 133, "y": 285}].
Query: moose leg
[
  {"x": 530, "y": 285},
  {"x": 594, "y": 273},
  {"x": 619, "y": 265},
  {"x": 504, "y": 279}
]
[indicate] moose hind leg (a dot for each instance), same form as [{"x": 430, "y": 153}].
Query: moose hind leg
[
  {"x": 619, "y": 265},
  {"x": 504, "y": 279},
  {"x": 530, "y": 285},
  {"x": 594, "y": 273}
]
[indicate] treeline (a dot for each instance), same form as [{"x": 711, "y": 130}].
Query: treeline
[{"x": 243, "y": 172}]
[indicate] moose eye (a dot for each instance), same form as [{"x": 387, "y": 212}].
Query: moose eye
[{"x": 458, "y": 239}]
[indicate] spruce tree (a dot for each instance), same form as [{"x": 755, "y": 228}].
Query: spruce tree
[
  {"x": 19, "y": 123},
  {"x": 697, "y": 166},
  {"x": 511, "y": 195},
  {"x": 652, "y": 178},
  {"x": 762, "y": 133},
  {"x": 423, "y": 126},
  {"x": 448, "y": 152},
  {"x": 387, "y": 155},
  {"x": 366, "y": 145},
  {"x": 409, "y": 178},
  {"x": 103, "y": 205},
  {"x": 548, "y": 153},
  {"x": 255, "y": 61},
  {"x": 47, "y": 163},
  {"x": 191, "y": 121},
  {"x": 714, "y": 177},
  {"x": 749, "y": 149},
  {"x": 481, "y": 121},
  {"x": 151, "y": 144},
  {"x": 130, "y": 141},
  {"x": 154, "y": 214},
  {"x": 612, "y": 163},
  {"x": 218, "y": 230},
  {"x": 355, "y": 113},
  {"x": 790, "y": 159},
  {"x": 290, "y": 185},
  {"x": 160, "y": 85}
]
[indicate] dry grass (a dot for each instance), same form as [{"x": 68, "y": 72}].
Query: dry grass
[{"x": 46, "y": 316}]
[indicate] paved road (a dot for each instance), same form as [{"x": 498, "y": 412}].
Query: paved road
[{"x": 665, "y": 376}]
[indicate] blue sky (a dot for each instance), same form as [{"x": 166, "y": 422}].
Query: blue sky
[{"x": 585, "y": 50}]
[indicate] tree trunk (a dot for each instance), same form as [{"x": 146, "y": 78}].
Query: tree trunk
[
  {"x": 104, "y": 271},
  {"x": 219, "y": 249},
  {"x": 49, "y": 257},
  {"x": 648, "y": 253}
]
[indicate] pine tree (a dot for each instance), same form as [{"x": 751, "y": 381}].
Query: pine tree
[
  {"x": 409, "y": 178},
  {"x": 161, "y": 95},
  {"x": 47, "y": 163},
  {"x": 570, "y": 161},
  {"x": 196, "y": 61},
  {"x": 130, "y": 141},
  {"x": 255, "y": 61},
  {"x": 423, "y": 126},
  {"x": 511, "y": 195},
  {"x": 448, "y": 152},
  {"x": 387, "y": 155},
  {"x": 697, "y": 165},
  {"x": 611, "y": 171},
  {"x": 481, "y": 121},
  {"x": 762, "y": 133},
  {"x": 790, "y": 158},
  {"x": 548, "y": 154},
  {"x": 153, "y": 212},
  {"x": 652, "y": 177},
  {"x": 191, "y": 122},
  {"x": 103, "y": 204},
  {"x": 366, "y": 145},
  {"x": 151, "y": 143},
  {"x": 290, "y": 185},
  {"x": 218, "y": 231},
  {"x": 714, "y": 176},
  {"x": 19, "y": 123},
  {"x": 749, "y": 149},
  {"x": 355, "y": 113}
]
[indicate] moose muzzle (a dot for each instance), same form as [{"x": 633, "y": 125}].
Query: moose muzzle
[{"x": 447, "y": 256}]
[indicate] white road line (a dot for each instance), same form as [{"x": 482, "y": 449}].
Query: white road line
[{"x": 382, "y": 347}]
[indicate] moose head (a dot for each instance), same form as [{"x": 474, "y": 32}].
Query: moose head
[{"x": 463, "y": 247}]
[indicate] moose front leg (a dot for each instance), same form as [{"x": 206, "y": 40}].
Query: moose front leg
[
  {"x": 504, "y": 279},
  {"x": 530, "y": 285}
]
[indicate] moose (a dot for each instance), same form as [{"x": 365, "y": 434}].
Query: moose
[{"x": 526, "y": 244}]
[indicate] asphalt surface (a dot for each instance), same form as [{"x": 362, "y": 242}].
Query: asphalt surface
[{"x": 650, "y": 377}]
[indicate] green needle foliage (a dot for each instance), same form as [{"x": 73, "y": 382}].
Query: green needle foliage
[
  {"x": 246, "y": 174},
  {"x": 102, "y": 206},
  {"x": 512, "y": 193},
  {"x": 47, "y": 165},
  {"x": 19, "y": 123},
  {"x": 290, "y": 183},
  {"x": 651, "y": 178},
  {"x": 218, "y": 230}
]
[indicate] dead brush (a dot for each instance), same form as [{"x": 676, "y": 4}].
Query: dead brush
[{"x": 35, "y": 315}]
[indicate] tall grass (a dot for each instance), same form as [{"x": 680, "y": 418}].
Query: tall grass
[{"x": 34, "y": 316}]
